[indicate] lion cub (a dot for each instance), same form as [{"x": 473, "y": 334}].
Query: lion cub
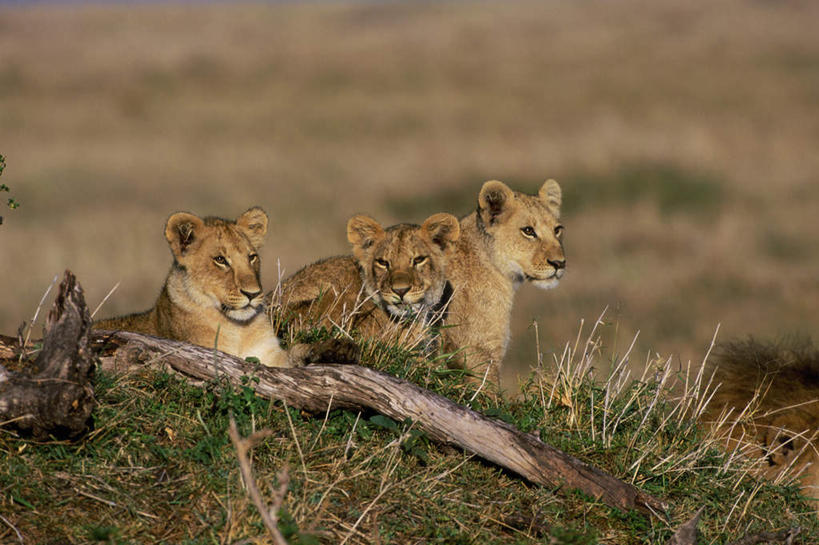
[
  {"x": 511, "y": 238},
  {"x": 396, "y": 275},
  {"x": 212, "y": 296}
]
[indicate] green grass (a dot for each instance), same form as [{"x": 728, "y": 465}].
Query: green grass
[
  {"x": 672, "y": 189},
  {"x": 159, "y": 467},
  {"x": 10, "y": 202},
  {"x": 785, "y": 247}
]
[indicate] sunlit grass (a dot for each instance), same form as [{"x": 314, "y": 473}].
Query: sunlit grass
[{"x": 159, "y": 465}]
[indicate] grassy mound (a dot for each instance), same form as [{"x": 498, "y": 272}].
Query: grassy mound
[{"x": 159, "y": 466}]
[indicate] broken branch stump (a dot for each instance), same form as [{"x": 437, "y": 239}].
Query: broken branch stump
[{"x": 54, "y": 396}]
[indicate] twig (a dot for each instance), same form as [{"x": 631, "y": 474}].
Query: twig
[
  {"x": 109, "y": 503},
  {"x": 350, "y": 439},
  {"x": 15, "y": 419},
  {"x": 104, "y": 299},
  {"x": 13, "y": 527},
  {"x": 269, "y": 516},
  {"x": 37, "y": 313},
  {"x": 324, "y": 423},
  {"x": 486, "y": 374},
  {"x": 295, "y": 438}
]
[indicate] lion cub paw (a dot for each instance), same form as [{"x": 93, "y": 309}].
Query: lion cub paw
[
  {"x": 327, "y": 351},
  {"x": 334, "y": 351}
]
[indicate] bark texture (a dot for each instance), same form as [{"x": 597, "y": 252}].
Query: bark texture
[
  {"x": 314, "y": 387},
  {"x": 54, "y": 395}
]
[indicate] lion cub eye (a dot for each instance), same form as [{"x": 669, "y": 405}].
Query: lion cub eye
[
  {"x": 221, "y": 260},
  {"x": 559, "y": 231},
  {"x": 253, "y": 258},
  {"x": 383, "y": 263},
  {"x": 528, "y": 231},
  {"x": 420, "y": 260}
]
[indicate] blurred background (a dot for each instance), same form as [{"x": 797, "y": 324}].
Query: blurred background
[{"x": 684, "y": 135}]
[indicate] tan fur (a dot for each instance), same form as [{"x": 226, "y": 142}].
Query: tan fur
[
  {"x": 395, "y": 275},
  {"x": 511, "y": 238},
  {"x": 779, "y": 383},
  {"x": 212, "y": 295}
]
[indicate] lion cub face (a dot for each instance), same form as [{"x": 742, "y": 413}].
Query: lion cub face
[
  {"x": 527, "y": 235},
  {"x": 404, "y": 266},
  {"x": 219, "y": 260}
]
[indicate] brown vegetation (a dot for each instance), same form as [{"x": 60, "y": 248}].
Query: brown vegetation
[{"x": 684, "y": 137}]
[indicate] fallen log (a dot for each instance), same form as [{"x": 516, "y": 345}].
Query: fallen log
[
  {"x": 315, "y": 387},
  {"x": 354, "y": 387}
]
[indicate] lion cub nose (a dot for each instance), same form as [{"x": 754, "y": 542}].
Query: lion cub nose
[
  {"x": 401, "y": 291},
  {"x": 251, "y": 294},
  {"x": 557, "y": 264}
]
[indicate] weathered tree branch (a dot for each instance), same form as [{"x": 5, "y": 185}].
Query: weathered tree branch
[
  {"x": 354, "y": 387},
  {"x": 53, "y": 396}
]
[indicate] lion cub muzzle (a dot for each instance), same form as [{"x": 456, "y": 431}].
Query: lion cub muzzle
[
  {"x": 399, "y": 284},
  {"x": 245, "y": 307},
  {"x": 246, "y": 301},
  {"x": 402, "y": 297},
  {"x": 549, "y": 277},
  {"x": 558, "y": 267}
]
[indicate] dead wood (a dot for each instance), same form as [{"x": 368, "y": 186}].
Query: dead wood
[
  {"x": 53, "y": 396},
  {"x": 687, "y": 533},
  {"x": 353, "y": 387}
]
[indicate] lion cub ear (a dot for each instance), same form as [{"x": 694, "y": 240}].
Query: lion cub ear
[
  {"x": 254, "y": 225},
  {"x": 442, "y": 229},
  {"x": 362, "y": 232},
  {"x": 551, "y": 195},
  {"x": 493, "y": 200},
  {"x": 183, "y": 231}
]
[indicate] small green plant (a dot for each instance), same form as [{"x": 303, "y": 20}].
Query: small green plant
[
  {"x": 104, "y": 534},
  {"x": 11, "y": 203},
  {"x": 289, "y": 528}
]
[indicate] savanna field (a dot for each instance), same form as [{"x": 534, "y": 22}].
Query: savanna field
[{"x": 684, "y": 138}]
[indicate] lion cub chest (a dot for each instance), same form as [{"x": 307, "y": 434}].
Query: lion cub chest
[
  {"x": 250, "y": 341},
  {"x": 254, "y": 339}
]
